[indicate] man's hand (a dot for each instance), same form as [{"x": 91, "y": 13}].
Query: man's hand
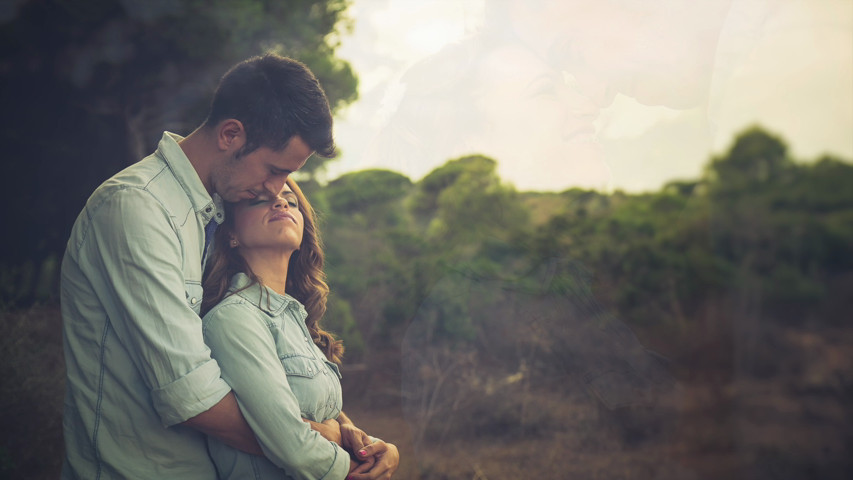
[
  {"x": 353, "y": 438},
  {"x": 386, "y": 457},
  {"x": 330, "y": 430}
]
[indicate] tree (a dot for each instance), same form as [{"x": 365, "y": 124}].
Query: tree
[
  {"x": 466, "y": 203},
  {"x": 756, "y": 157},
  {"x": 94, "y": 82},
  {"x": 357, "y": 191}
]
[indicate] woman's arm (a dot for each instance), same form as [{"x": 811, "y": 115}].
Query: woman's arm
[{"x": 241, "y": 342}]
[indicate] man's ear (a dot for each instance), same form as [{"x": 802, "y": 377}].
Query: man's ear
[{"x": 230, "y": 135}]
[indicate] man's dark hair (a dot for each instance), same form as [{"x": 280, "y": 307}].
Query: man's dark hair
[{"x": 275, "y": 98}]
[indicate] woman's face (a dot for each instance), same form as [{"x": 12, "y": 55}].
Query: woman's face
[
  {"x": 659, "y": 52},
  {"x": 268, "y": 223},
  {"x": 542, "y": 126}
]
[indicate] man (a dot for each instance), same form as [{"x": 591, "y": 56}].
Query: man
[{"x": 142, "y": 389}]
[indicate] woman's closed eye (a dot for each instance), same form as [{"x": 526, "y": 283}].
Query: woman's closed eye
[
  {"x": 257, "y": 201},
  {"x": 288, "y": 199}
]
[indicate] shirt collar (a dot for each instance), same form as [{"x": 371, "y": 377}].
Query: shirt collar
[
  {"x": 209, "y": 208},
  {"x": 264, "y": 298}
]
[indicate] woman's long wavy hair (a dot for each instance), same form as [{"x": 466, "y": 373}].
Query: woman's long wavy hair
[{"x": 305, "y": 276}]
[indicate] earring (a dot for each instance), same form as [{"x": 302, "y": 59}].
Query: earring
[{"x": 233, "y": 243}]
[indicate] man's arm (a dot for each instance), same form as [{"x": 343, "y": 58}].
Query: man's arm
[
  {"x": 329, "y": 429},
  {"x": 134, "y": 261},
  {"x": 225, "y": 422},
  {"x": 352, "y": 437}
]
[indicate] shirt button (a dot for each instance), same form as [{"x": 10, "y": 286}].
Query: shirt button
[
  {"x": 193, "y": 300},
  {"x": 306, "y": 339},
  {"x": 208, "y": 209}
]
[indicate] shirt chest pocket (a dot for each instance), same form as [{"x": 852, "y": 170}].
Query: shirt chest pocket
[
  {"x": 194, "y": 294},
  {"x": 301, "y": 366}
]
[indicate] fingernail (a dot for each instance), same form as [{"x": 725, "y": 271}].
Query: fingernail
[{"x": 362, "y": 452}]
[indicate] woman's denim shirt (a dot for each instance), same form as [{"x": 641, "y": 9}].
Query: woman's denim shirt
[{"x": 279, "y": 377}]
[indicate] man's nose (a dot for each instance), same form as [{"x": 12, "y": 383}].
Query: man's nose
[{"x": 275, "y": 184}]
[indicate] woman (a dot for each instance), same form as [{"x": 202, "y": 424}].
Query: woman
[
  {"x": 492, "y": 95},
  {"x": 264, "y": 299}
]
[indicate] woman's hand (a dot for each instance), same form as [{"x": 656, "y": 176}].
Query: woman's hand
[
  {"x": 330, "y": 430},
  {"x": 378, "y": 460},
  {"x": 353, "y": 438},
  {"x": 386, "y": 460}
]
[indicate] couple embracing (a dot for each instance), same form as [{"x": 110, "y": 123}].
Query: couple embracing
[{"x": 192, "y": 298}]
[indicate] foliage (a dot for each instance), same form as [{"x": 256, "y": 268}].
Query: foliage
[
  {"x": 756, "y": 157},
  {"x": 339, "y": 319},
  {"x": 353, "y": 192},
  {"x": 95, "y": 82}
]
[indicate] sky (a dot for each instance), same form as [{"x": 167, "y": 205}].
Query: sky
[{"x": 612, "y": 94}]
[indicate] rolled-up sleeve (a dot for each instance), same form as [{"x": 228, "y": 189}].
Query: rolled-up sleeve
[
  {"x": 241, "y": 341},
  {"x": 135, "y": 256}
]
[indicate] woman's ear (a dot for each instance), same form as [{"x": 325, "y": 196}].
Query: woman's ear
[{"x": 233, "y": 242}]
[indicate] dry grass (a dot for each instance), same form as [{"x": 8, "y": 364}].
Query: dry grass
[
  {"x": 794, "y": 424},
  {"x": 791, "y": 421}
]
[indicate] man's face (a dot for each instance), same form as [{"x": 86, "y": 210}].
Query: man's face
[{"x": 263, "y": 171}]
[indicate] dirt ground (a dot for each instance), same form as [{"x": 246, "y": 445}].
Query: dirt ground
[
  {"x": 792, "y": 421},
  {"x": 783, "y": 412}
]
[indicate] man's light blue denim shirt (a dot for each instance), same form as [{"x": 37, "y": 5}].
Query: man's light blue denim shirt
[
  {"x": 279, "y": 376},
  {"x": 136, "y": 361}
]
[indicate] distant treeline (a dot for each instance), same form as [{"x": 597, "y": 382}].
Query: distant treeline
[
  {"x": 489, "y": 304},
  {"x": 772, "y": 236}
]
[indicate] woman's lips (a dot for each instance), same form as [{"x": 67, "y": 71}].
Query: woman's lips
[{"x": 282, "y": 216}]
